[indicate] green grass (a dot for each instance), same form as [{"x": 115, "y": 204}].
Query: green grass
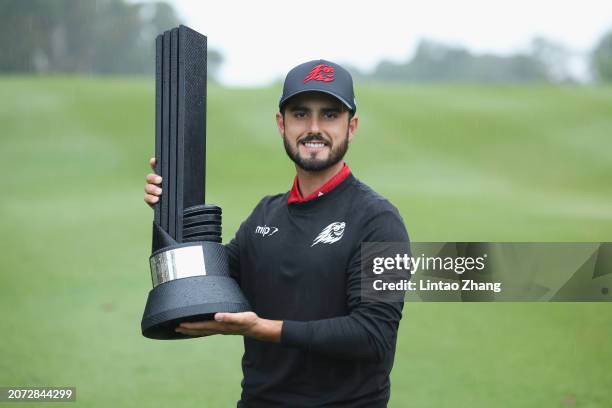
[{"x": 462, "y": 163}]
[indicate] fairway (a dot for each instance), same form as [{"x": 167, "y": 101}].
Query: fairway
[{"x": 461, "y": 162}]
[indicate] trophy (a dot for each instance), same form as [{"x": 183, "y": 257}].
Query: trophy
[{"x": 189, "y": 267}]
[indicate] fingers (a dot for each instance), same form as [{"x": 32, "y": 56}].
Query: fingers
[
  {"x": 210, "y": 327},
  {"x": 236, "y": 318},
  {"x": 152, "y": 194},
  {"x": 194, "y": 333},
  {"x": 151, "y": 199},
  {"x": 195, "y": 330},
  {"x": 232, "y": 323},
  {"x": 153, "y": 178},
  {"x": 152, "y": 189},
  {"x": 217, "y": 326},
  {"x": 206, "y": 325}
]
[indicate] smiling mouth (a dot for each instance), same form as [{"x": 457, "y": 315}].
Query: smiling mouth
[{"x": 313, "y": 144}]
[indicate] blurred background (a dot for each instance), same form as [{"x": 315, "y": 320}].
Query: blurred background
[{"x": 480, "y": 121}]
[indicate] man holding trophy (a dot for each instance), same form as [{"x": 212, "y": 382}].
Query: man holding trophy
[{"x": 309, "y": 339}]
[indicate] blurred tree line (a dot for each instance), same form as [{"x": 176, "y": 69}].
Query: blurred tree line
[
  {"x": 435, "y": 61},
  {"x": 68, "y": 36},
  {"x": 602, "y": 58},
  {"x": 544, "y": 61},
  {"x": 117, "y": 37}
]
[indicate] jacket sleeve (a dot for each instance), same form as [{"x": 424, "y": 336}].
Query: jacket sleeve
[{"x": 369, "y": 331}]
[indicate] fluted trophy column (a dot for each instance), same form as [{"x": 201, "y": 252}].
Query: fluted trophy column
[{"x": 189, "y": 267}]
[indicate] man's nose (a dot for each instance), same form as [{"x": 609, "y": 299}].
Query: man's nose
[{"x": 314, "y": 125}]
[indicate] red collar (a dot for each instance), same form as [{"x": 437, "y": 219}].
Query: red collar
[{"x": 296, "y": 197}]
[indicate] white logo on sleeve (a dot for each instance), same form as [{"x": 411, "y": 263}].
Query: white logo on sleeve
[
  {"x": 266, "y": 231},
  {"x": 330, "y": 234}
]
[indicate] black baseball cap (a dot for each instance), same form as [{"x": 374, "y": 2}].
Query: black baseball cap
[{"x": 320, "y": 76}]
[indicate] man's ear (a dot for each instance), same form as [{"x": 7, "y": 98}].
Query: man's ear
[
  {"x": 352, "y": 127},
  {"x": 280, "y": 122}
]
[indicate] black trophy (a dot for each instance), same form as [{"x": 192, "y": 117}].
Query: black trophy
[{"x": 189, "y": 267}]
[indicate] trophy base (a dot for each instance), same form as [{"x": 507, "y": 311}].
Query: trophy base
[{"x": 189, "y": 299}]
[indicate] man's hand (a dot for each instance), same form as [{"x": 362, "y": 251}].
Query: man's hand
[
  {"x": 152, "y": 186},
  {"x": 244, "y": 324}
]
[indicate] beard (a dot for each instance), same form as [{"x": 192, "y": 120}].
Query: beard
[{"x": 312, "y": 163}]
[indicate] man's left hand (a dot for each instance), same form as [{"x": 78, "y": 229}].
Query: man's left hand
[{"x": 244, "y": 324}]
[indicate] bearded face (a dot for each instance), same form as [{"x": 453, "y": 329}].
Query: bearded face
[
  {"x": 308, "y": 157},
  {"x": 316, "y": 132}
]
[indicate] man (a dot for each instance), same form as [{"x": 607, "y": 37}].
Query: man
[{"x": 310, "y": 340}]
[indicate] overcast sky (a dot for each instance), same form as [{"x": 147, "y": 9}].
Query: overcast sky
[{"x": 262, "y": 39}]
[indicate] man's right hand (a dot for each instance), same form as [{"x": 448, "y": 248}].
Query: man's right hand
[{"x": 152, "y": 190}]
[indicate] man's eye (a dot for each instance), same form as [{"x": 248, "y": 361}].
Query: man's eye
[
  {"x": 299, "y": 114},
  {"x": 331, "y": 115}
]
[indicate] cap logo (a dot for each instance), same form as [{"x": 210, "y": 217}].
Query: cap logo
[{"x": 321, "y": 72}]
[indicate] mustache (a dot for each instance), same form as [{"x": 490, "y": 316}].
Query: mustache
[{"x": 317, "y": 137}]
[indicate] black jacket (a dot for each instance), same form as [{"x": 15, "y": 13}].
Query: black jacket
[{"x": 300, "y": 263}]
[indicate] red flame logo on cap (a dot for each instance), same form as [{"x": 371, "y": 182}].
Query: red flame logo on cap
[{"x": 321, "y": 72}]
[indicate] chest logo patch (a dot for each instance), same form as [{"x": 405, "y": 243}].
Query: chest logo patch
[
  {"x": 330, "y": 234},
  {"x": 266, "y": 231}
]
